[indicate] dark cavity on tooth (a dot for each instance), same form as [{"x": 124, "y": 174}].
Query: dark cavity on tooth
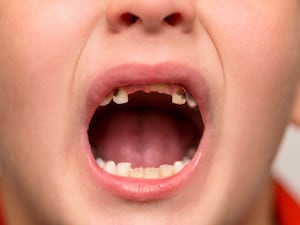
[
  {"x": 182, "y": 93},
  {"x": 116, "y": 92}
]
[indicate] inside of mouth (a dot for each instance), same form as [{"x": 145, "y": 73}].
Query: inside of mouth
[{"x": 148, "y": 131}]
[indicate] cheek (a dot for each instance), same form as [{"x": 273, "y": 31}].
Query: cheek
[
  {"x": 260, "y": 57},
  {"x": 258, "y": 50},
  {"x": 40, "y": 44}
]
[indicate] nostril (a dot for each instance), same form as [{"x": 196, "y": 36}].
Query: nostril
[
  {"x": 173, "y": 19},
  {"x": 150, "y": 16},
  {"x": 129, "y": 19}
]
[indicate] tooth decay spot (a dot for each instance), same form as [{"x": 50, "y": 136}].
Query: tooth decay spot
[
  {"x": 120, "y": 96},
  {"x": 179, "y": 97},
  {"x": 116, "y": 92},
  {"x": 181, "y": 92}
]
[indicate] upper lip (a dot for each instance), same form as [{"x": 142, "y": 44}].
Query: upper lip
[{"x": 141, "y": 74}]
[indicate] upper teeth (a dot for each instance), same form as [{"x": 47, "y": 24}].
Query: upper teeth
[{"x": 179, "y": 96}]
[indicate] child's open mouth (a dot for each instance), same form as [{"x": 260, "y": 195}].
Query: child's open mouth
[{"x": 144, "y": 133}]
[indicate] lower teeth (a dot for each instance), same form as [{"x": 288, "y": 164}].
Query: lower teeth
[{"x": 124, "y": 169}]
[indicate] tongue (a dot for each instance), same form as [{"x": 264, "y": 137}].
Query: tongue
[{"x": 146, "y": 139}]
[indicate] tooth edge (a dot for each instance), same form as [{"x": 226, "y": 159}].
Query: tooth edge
[{"x": 107, "y": 100}]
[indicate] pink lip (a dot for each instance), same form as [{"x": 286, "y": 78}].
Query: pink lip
[{"x": 137, "y": 189}]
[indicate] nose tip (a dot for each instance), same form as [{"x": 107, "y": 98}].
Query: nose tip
[{"x": 151, "y": 15}]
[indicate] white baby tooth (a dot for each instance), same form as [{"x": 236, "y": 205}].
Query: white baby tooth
[
  {"x": 178, "y": 98},
  {"x": 191, "y": 102},
  {"x": 100, "y": 162},
  {"x": 107, "y": 100},
  {"x": 151, "y": 173},
  {"x": 120, "y": 96},
  {"x": 136, "y": 172},
  {"x": 123, "y": 169},
  {"x": 110, "y": 167},
  {"x": 178, "y": 166},
  {"x": 166, "y": 170}
]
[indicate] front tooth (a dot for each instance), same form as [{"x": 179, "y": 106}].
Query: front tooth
[
  {"x": 123, "y": 169},
  {"x": 178, "y": 166},
  {"x": 178, "y": 98},
  {"x": 136, "y": 172},
  {"x": 166, "y": 170},
  {"x": 110, "y": 167},
  {"x": 120, "y": 96},
  {"x": 151, "y": 173}
]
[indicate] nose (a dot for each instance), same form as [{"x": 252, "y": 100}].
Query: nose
[{"x": 151, "y": 15}]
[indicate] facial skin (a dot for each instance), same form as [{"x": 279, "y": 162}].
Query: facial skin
[{"x": 52, "y": 50}]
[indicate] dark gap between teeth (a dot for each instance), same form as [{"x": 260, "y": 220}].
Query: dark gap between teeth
[{"x": 147, "y": 131}]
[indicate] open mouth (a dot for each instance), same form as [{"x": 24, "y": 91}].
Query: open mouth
[{"x": 146, "y": 131}]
